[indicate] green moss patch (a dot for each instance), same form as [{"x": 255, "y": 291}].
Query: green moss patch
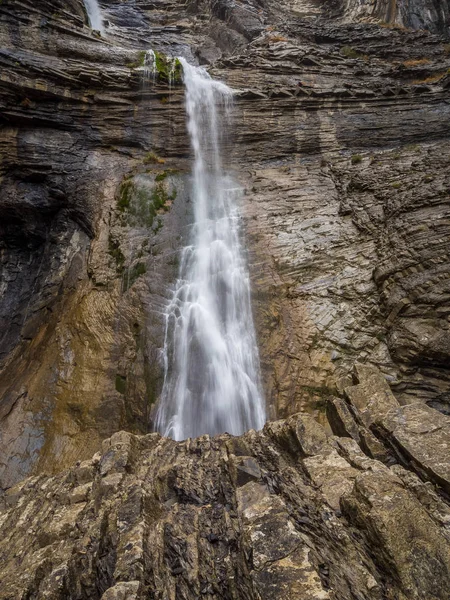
[
  {"x": 126, "y": 188},
  {"x": 161, "y": 176},
  {"x": 142, "y": 203},
  {"x": 133, "y": 275},
  {"x": 323, "y": 392},
  {"x": 350, "y": 52},
  {"x": 116, "y": 253},
  {"x": 121, "y": 384},
  {"x": 168, "y": 68},
  {"x": 139, "y": 62}
]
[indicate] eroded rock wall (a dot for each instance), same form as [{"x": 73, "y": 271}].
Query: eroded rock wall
[
  {"x": 78, "y": 318},
  {"x": 347, "y": 197},
  {"x": 432, "y": 15},
  {"x": 341, "y": 144}
]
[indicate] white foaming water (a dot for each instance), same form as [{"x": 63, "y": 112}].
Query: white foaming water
[
  {"x": 94, "y": 14},
  {"x": 150, "y": 66},
  {"x": 212, "y": 382},
  {"x": 172, "y": 68}
]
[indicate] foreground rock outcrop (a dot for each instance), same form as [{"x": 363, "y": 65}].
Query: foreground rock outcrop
[{"x": 286, "y": 513}]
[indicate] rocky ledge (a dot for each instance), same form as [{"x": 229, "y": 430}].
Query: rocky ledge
[{"x": 288, "y": 512}]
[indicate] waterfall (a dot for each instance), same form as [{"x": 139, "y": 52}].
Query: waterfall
[
  {"x": 150, "y": 66},
  {"x": 94, "y": 15},
  {"x": 212, "y": 382}
]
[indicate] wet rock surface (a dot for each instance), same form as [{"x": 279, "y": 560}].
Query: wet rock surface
[{"x": 341, "y": 144}]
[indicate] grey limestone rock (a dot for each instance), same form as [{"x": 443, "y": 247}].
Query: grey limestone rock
[{"x": 151, "y": 517}]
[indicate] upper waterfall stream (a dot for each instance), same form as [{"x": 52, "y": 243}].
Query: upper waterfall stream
[
  {"x": 94, "y": 15},
  {"x": 212, "y": 382}
]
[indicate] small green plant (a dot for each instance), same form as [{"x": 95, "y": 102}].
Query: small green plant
[
  {"x": 133, "y": 274},
  {"x": 356, "y": 159},
  {"x": 350, "y": 52},
  {"x": 158, "y": 225},
  {"x": 151, "y": 158},
  {"x": 125, "y": 192},
  {"x": 121, "y": 384},
  {"x": 396, "y": 185},
  {"x": 139, "y": 62},
  {"x": 161, "y": 176},
  {"x": 116, "y": 253},
  {"x": 161, "y": 198}
]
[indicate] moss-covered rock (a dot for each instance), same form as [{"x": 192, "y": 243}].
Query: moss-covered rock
[
  {"x": 133, "y": 274},
  {"x": 116, "y": 253},
  {"x": 139, "y": 62},
  {"x": 168, "y": 68},
  {"x": 142, "y": 202}
]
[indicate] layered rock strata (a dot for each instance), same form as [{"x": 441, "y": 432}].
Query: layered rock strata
[{"x": 341, "y": 144}]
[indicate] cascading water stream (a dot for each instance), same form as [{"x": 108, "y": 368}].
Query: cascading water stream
[
  {"x": 94, "y": 15},
  {"x": 149, "y": 66},
  {"x": 212, "y": 382}
]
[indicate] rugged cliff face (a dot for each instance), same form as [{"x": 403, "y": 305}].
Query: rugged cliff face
[
  {"x": 341, "y": 144},
  {"x": 431, "y": 15}
]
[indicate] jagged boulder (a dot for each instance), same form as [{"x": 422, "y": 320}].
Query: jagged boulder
[{"x": 226, "y": 517}]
